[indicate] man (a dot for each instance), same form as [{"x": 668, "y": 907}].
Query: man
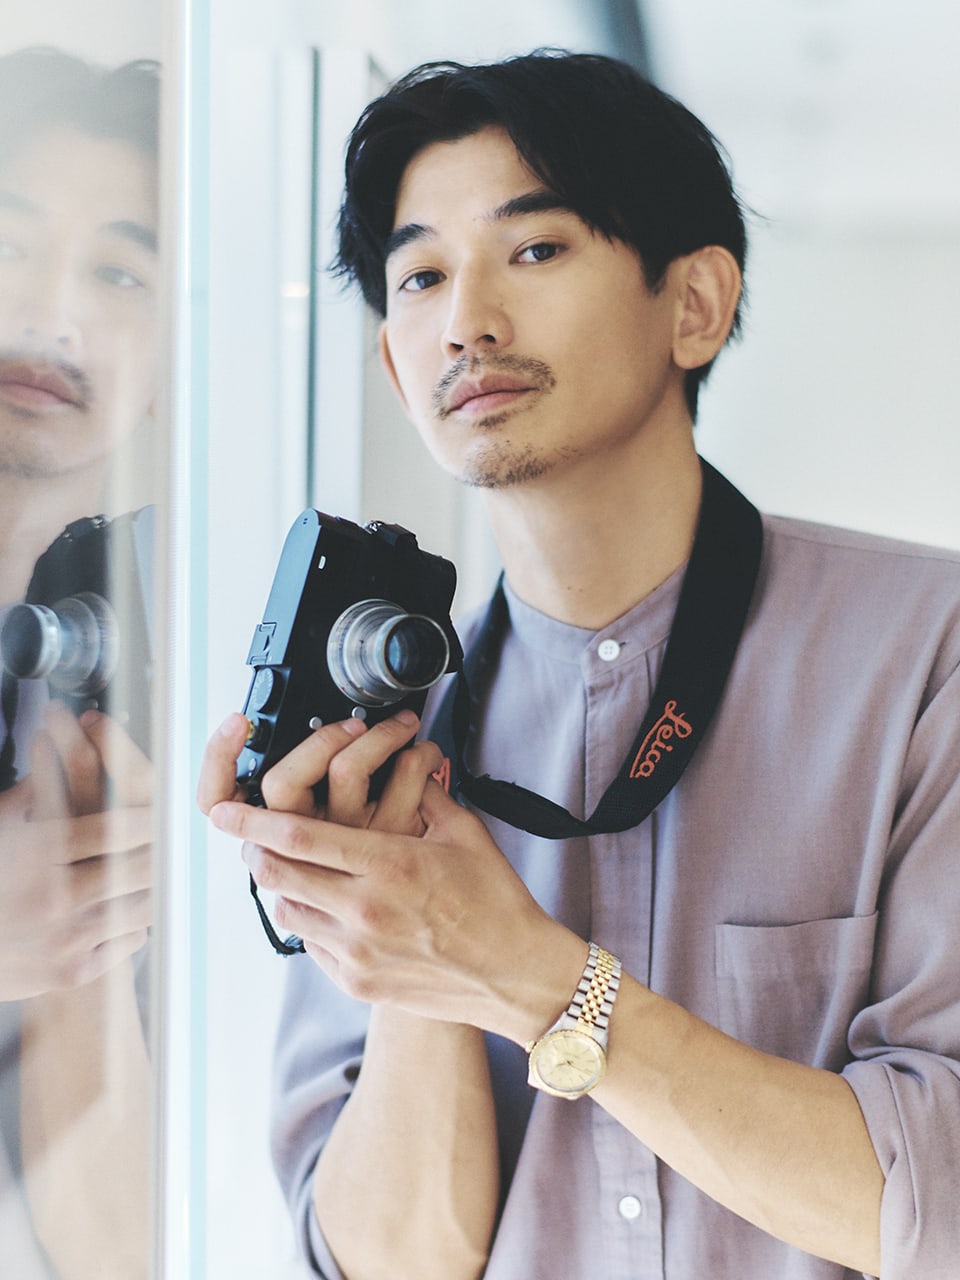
[
  {"x": 557, "y": 252},
  {"x": 78, "y": 370}
]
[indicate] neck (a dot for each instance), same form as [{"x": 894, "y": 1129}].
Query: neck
[
  {"x": 32, "y": 513},
  {"x": 586, "y": 545}
]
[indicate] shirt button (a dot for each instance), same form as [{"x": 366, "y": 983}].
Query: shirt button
[
  {"x": 630, "y": 1208},
  {"x": 608, "y": 650}
]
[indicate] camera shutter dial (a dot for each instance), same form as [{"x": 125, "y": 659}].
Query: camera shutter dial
[{"x": 377, "y": 653}]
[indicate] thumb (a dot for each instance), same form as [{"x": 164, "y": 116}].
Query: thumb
[{"x": 436, "y": 806}]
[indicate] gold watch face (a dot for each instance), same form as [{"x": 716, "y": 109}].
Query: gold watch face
[{"x": 567, "y": 1063}]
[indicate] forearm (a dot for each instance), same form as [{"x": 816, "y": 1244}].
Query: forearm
[
  {"x": 85, "y": 1124},
  {"x": 408, "y": 1181},
  {"x": 781, "y": 1144}
]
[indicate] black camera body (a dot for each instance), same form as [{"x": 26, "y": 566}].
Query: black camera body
[
  {"x": 85, "y": 623},
  {"x": 357, "y": 624}
]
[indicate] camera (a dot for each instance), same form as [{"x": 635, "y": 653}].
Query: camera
[
  {"x": 357, "y": 624},
  {"x": 85, "y": 623}
]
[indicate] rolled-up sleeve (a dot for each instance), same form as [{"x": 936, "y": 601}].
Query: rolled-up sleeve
[
  {"x": 906, "y": 1041},
  {"x": 319, "y": 1051}
]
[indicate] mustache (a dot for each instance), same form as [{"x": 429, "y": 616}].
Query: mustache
[
  {"x": 539, "y": 373},
  {"x": 53, "y": 364}
]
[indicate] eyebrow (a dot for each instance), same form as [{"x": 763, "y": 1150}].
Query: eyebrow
[
  {"x": 541, "y": 201},
  {"x": 135, "y": 231},
  {"x": 125, "y": 228}
]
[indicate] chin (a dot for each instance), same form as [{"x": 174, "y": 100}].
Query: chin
[{"x": 506, "y": 468}]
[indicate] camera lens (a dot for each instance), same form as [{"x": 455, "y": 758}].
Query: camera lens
[
  {"x": 73, "y": 644},
  {"x": 415, "y": 651},
  {"x": 377, "y": 653}
]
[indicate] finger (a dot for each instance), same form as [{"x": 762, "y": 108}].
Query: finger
[
  {"x": 288, "y": 785},
  {"x": 218, "y": 772},
  {"x": 82, "y": 766},
  {"x": 79, "y": 970},
  {"x": 438, "y": 808},
  {"x": 398, "y": 809},
  {"x": 129, "y": 770},
  {"x": 294, "y": 882},
  {"x": 58, "y": 841},
  {"x": 81, "y": 759},
  {"x": 49, "y": 792},
  {"x": 297, "y": 837},
  {"x": 110, "y": 879},
  {"x": 350, "y": 771}
]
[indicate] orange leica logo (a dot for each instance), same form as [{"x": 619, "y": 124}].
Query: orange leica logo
[
  {"x": 658, "y": 740},
  {"x": 443, "y": 774}
]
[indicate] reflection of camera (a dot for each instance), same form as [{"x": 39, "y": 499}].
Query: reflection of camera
[
  {"x": 357, "y": 623},
  {"x": 84, "y": 625}
]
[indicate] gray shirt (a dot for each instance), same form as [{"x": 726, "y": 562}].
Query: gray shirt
[{"x": 798, "y": 889}]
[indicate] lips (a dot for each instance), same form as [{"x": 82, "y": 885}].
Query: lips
[
  {"x": 41, "y": 385},
  {"x": 483, "y": 389},
  {"x": 475, "y": 387}
]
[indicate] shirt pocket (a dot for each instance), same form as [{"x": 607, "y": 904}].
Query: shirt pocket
[{"x": 793, "y": 990}]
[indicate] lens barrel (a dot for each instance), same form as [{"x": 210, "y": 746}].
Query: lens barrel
[
  {"x": 73, "y": 644},
  {"x": 377, "y": 653}
]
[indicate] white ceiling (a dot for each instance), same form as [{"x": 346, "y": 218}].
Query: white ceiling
[{"x": 834, "y": 111}]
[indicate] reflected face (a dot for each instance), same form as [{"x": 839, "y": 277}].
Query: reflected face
[
  {"x": 520, "y": 341},
  {"x": 78, "y": 297}
]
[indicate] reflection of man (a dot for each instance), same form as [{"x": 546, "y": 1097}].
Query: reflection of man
[
  {"x": 556, "y": 250},
  {"x": 78, "y": 367}
]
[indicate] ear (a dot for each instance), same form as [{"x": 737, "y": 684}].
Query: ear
[
  {"x": 707, "y": 284},
  {"x": 389, "y": 368}
]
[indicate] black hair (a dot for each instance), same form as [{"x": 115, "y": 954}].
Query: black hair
[
  {"x": 41, "y": 88},
  {"x": 630, "y": 160}
]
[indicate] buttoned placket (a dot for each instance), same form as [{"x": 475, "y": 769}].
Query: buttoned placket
[{"x": 618, "y": 679}]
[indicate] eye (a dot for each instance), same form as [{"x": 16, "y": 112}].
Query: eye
[
  {"x": 118, "y": 277},
  {"x": 542, "y": 251},
  {"x": 417, "y": 281}
]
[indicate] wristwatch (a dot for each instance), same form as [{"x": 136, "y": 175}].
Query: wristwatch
[{"x": 569, "y": 1060}]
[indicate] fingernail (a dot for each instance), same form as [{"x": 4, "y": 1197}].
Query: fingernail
[
  {"x": 354, "y": 727},
  {"x": 407, "y": 716},
  {"x": 219, "y": 815}
]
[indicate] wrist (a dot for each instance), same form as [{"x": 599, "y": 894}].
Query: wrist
[
  {"x": 537, "y": 988},
  {"x": 570, "y": 1058}
]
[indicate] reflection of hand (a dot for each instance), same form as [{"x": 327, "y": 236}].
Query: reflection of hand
[
  {"x": 408, "y": 901},
  {"x": 75, "y": 875}
]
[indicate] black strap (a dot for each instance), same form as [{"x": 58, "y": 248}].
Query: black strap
[
  {"x": 711, "y": 613},
  {"x": 9, "y": 697}
]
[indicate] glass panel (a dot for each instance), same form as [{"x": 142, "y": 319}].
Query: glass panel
[{"x": 81, "y": 291}]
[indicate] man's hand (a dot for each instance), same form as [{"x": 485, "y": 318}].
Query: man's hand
[
  {"x": 406, "y": 901},
  {"x": 75, "y": 876}
]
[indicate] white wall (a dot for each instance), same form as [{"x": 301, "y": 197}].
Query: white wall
[
  {"x": 840, "y": 404},
  {"x": 840, "y": 121}
]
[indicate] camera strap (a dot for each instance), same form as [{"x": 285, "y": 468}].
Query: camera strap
[
  {"x": 9, "y": 696},
  {"x": 709, "y": 620}
]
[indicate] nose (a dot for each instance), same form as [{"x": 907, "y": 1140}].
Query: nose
[
  {"x": 46, "y": 317},
  {"x": 477, "y": 319}
]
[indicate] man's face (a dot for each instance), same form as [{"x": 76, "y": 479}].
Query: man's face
[
  {"x": 78, "y": 294},
  {"x": 521, "y": 343}
]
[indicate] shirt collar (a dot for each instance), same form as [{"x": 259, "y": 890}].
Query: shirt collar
[{"x": 645, "y": 626}]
